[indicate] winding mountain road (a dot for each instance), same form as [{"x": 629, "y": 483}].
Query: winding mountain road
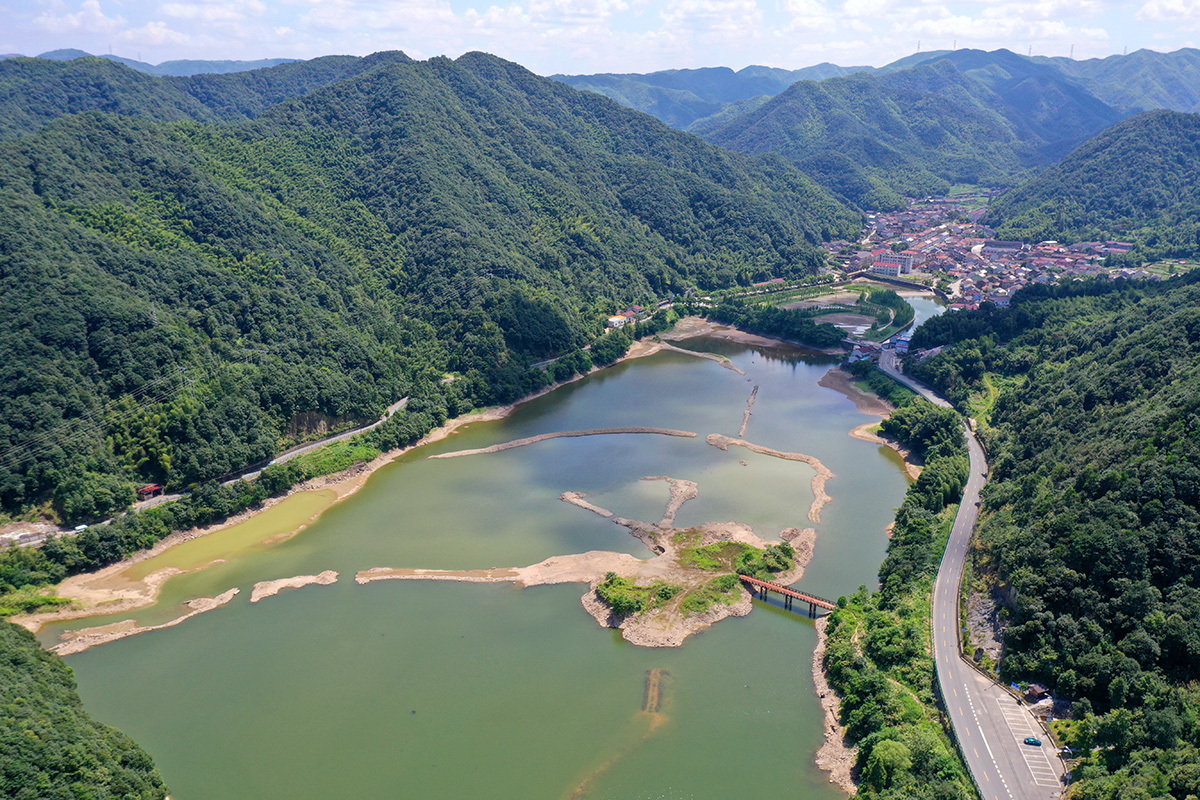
[{"x": 989, "y": 723}]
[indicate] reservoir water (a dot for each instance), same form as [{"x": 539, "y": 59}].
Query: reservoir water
[{"x": 455, "y": 690}]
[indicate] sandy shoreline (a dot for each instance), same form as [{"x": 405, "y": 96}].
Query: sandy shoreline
[
  {"x": 78, "y": 641},
  {"x": 841, "y": 381},
  {"x": 836, "y": 756},
  {"x": 687, "y": 327},
  {"x": 104, "y": 591}
]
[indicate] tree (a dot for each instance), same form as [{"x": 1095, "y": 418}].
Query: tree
[{"x": 889, "y": 762}]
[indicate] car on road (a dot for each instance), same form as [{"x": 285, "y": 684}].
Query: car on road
[{"x": 1033, "y": 740}]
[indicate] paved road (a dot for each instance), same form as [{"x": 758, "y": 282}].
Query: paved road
[
  {"x": 288, "y": 455},
  {"x": 988, "y": 721}
]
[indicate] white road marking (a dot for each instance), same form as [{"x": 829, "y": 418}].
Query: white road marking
[{"x": 1035, "y": 758}]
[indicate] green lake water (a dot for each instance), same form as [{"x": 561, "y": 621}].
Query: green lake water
[{"x": 458, "y": 690}]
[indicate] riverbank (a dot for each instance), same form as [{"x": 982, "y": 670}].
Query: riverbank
[
  {"x": 112, "y": 591},
  {"x": 841, "y": 381},
  {"x": 836, "y": 756}
]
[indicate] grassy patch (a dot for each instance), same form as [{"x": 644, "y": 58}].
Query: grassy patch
[
  {"x": 717, "y": 556},
  {"x": 736, "y": 557},
  {"x": 625, "y": 597},
  {"x": 335, "y": 458},
  {"x": 722, "y": 589},
  {"x": 28, "y": 599},
  {"x": 983, "y": 403}
]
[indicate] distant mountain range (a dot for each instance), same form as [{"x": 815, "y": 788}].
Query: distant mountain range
[
  {"x": 967, "y": 118},
  {"x": 919, "y": 125},
  {"x": 680, "y": 97},
  {"x": 181, "y": 68},
  {"x": 34, "y": 92}
]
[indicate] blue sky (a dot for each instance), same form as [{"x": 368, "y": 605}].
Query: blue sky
[{"x": 583, "y": 36}]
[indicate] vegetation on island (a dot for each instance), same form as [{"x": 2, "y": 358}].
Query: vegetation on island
[
  {"x": 1138, "y": 181},
  {"x": 53, "y": 750},
  {"x": 728, "y": 557},
  {"x": 625, "y": 597},
  {"x": 1091, "y": 523},
  {"x": 878, "y": 648}
]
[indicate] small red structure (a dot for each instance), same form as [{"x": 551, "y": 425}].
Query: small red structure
[{"x": 148, "y": 491}]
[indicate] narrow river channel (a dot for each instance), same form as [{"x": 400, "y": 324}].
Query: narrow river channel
[{"x": 453, "y": 690}]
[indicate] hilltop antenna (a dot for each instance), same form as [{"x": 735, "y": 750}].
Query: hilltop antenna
[
  {"x": 1030, "y": 53},
  {"x": 918, "y": 45},
  {"x": 153, "y": 307},
  {"x": 1125, "y": 52},
  {"x": 1072, "y": 56},
  {"x": 955, "y": 47}
]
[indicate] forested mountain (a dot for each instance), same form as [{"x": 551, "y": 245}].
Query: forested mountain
[
  {"x": 52, "y": 749},
  {"x": 178, "y": 299},
  {"x": 1139, "y": 180},
  {"x": 680, "y": 97},
  {"x": 1091, "y": 524},
  {"x": 1140, "y": 81},
  {"x": 36, "y": 91},
  {"x": 876, "y": 138},
  {"x": 177, "y": 68}
]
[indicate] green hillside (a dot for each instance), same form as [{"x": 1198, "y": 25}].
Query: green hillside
[
  {"x": 52, "y": 749},
  {"x": 1140, "y": 81},
  {"x": 1139, "y": 180},
  {"x": 180, "y": 301},
  {"x": 876, "y": 138},
  {"x": 1091, "y": 524},
  {"x": 35, "y": 91}
]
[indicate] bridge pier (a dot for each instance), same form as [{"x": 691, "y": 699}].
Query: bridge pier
[{"x": 762, "y": 589}]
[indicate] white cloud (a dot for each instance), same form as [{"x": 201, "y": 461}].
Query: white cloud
[
  {"x": 154, "y": 34},
  {"x": 1177, "y": 11},
  {"x": 89, "y": 19},
  {"x": 737, "y": 17},
  {"x": 213, "y": 12},
  {"x": 599, "y": 35}
]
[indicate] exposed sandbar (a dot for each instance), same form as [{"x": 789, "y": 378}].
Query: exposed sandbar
[
  {"x": 722, "y": 360},
  {"x": 264, "y": 589},
  {"x": 496, "y": 448},
  {"x": 78, "y": 641},
  {"x": 681, "y": 492},
  {"x": 577, "y": 499},
  {"x": 820, "y": 497},
  {"x": 747, "y": 412},
  {"x": 464, "y": 575},
  {"x": 664, "y": 627}
]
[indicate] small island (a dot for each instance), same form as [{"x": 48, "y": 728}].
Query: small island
[{"x": 690, "y": 583}]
